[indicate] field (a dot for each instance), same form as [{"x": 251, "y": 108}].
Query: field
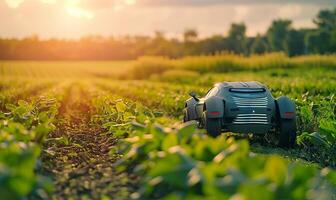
[{"x": 113, "y": 130}]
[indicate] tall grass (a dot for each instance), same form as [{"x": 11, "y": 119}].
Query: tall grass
[{"x": 147, "y": 66}]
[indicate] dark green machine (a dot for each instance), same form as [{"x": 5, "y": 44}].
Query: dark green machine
[{"x": 243, "y": 107}]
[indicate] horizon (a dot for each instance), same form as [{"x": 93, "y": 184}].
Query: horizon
[{"x": 74, "y": 19}]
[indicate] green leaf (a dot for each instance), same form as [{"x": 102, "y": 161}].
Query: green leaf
[
  {"x": 137, "y": 126},
  {"x": 276, "y": 170},
  {"x": 22, "y": 103},
  {"x": 120, "y": 106},
  {"x": 41, "y": 132},
  {"x": 328, "y": 129},
  {"x": 169, "y": 141},
  {"x": 43, "y": 117},
  {"x": 254, "y": 191},
  {"x": 317, "y": 139},
  {"x": 186, "y": 131},
  {"x": 10, "y": 106},
  {"x": 173, "y": 169}
]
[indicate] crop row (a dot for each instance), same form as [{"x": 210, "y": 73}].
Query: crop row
[
  {"x": 181, "y": 162},
  {"x": 23, "y": 129},
  {"x": 160, "y": 96},
  {"x": 12, "y": 91},
  {"x": 177, "y": 161},
  {"x": 316, "y": 113},
  {"x": 294, "y": 81}
]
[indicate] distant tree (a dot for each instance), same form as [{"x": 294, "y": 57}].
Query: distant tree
[
  {"x": 259, "y": 45},
  {"x": 277, "y": 35},
  {"x": 296, "y": 42},
  {"x": 333, "y": 41},
  {"x": 191, "y": 45},
  {"x": 159, "y": 46},
  {"x": 237, "y": 38},
  {"x": 326, "y": 20},
  {"x": 318, "y": 41},
  {"x": 190, "y": 35},
  {"x": 213, "y": 45},
  {"x": 323, "y": 40},
  {"x": 159, "y": 36}
]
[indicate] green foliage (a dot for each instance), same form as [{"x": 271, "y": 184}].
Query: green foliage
[
  {"x": 313, "y": 91},
  {"x": 158, "y": 66},
  {"x": 181, "y": 162},
  {"x": 117, "y": 115},
  {"x": 322, "y": 40},
  {"x": 179, "y": 76},
  {"x": 147, "y": 66},
  {"x": 22, "y": 131},
  {"x": 326, "y": 19},
  {"x": 296, "y": 42},
  {"x": 177, "y": 161},
  {"x": 237, "y": 39},
  {"x": 277, "y": 35},
  {"x": 185, "y": 163},
  {"x": 259, "y": 45}
]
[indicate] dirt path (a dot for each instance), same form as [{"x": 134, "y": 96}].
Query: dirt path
[{"x": 77, "y": 155}]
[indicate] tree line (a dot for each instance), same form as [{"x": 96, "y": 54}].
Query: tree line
[{"x": 279, "y": 37}]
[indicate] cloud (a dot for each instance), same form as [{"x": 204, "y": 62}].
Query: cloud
[{"x": 14, "y": 3}]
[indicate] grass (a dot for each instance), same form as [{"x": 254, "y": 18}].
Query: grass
[{"x": 221, "y": 63}]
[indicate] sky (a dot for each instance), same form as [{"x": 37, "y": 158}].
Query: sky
[{"x": 77, "y": 18}]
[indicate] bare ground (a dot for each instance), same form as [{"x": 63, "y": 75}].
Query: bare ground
[{"x": 78, "y": 156}]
